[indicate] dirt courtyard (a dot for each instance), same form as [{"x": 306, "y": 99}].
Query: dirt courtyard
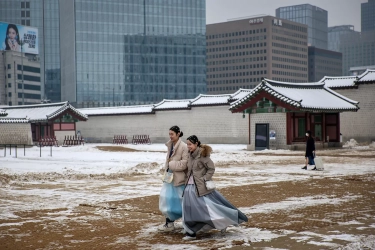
[{"x": 315, "y": 212}]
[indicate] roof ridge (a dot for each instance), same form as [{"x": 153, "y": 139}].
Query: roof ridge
[
  {"x": 291, "y": 84},
  {"x": 118, "y": 107},
  {"x": 37, "y": 105},
  {"x": 177, "y": 100},
  {"x": 340, "y": 96},
  {"x": 365, "y": 73}
]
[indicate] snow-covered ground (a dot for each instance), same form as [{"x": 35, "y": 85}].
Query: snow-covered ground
[{"x": 87, "y": 175}]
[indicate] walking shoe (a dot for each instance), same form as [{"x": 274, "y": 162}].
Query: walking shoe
[
  {"x": 167, "y": 227},
  {"x": 190, "y": 236},
  {"x": 223, "y": 231},
  {"x": 314, "y": 168},
  {"x": 305, "y": 167}
]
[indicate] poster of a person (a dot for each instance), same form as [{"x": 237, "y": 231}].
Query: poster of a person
[
  {"x": 18, "y": 38},
  {"x": 12, "y": 41},
  {"x": 272, "y": 134}
]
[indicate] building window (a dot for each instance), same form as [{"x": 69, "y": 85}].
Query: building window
[
  {"x": 23, "y": 22},
  {"x": 22, "y": 13},
  {"x": 9, "y": 85},
  {"x": 27, "y": 22},
  {"x": 22, "y": 5},
  {"x": 10, "y": 103},
  {"x": 27, "y": 5},
  {"x": 9, "y": 94},
  {"x": 9, "y": 66},
  {"x": 27, "y": 13},
  {"x": 9, "y": 75}
]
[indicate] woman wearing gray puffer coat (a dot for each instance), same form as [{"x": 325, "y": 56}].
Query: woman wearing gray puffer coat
[{"x": 203, "y": 206}]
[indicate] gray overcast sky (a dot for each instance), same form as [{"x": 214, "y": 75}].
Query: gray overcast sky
[{"x": 340, "y": 12}]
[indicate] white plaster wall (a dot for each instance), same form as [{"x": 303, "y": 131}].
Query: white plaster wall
[
  {"x": 359, "y": 125},
  {"x": 277, "y": 122},
  {"x": 215, "y": 124}
]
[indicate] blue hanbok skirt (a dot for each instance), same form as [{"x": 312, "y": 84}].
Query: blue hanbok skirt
[{"x": 170, "y": 201}]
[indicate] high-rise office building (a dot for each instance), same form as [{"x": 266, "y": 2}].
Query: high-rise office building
[
  {"x": 132, "y": 52},
  {"x": 44, "y": 15},
  {"x": 368, "y": 16},
  {"x": 314, "y": 17},
  {"x": 358, "y": 49},
  {"x": 241, "y": 52},
  {"x": 323, "y": 63},
  {"x": 335, "y": 33},
  {"x": 100, "y": 53}
]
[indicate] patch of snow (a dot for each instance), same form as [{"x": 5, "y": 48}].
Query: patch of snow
[
  {"x": 296, "y": 203},
  {"x": 351, "y": 144},
  {"x": 366, "y": 242}
]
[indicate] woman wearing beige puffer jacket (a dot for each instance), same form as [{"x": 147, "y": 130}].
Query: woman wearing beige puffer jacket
[{"x": 170, "y": 200}]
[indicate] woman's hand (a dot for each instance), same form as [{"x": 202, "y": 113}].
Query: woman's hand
[{"x": 13, "y": 46}]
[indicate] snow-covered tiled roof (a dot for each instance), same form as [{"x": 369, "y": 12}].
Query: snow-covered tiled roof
[
  {"x": 339, "y": 81},
  {"x": 3, "y": 112},
  {"x": 210, "y": 100},
  {"x": 41, "y": 112},
  {"x": 302, "y": 96},
  {"x": 367, "y": 76},
  {"x": 241, "y": 93},
  {"x": 173, "y": 104},
  {"x": 122, "y": 110},
  {"x": 13, "y": 120}
]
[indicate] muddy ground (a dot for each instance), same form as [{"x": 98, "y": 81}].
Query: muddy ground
[{"x": 132, "y": 223}]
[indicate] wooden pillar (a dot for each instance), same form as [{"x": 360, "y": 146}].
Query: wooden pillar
[
  {"x": 53, "y": 129},
  {"x": 293, "y": 127},
  {"x": 288, "y": 128}
]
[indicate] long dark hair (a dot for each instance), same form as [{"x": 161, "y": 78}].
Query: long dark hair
[
  {"x": 177, "y": 130},
  {"x": 11, "y": 26},
  {"x": 194, "y": 139}
]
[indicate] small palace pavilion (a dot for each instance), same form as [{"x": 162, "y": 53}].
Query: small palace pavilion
[
  {"x": 280, "y": 114},
  {"x": 37, "y": 121}
]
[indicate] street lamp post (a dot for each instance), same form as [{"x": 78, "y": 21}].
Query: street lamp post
[{"x": 23, "y": 95}]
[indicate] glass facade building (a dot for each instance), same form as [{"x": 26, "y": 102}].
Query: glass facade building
[
  {"x": 368, "y": 16},
  {"x": 44, "y": 15},
  {"x": 323, "y": 63},
  {"x": 335, "y": 33},
  {"x": 314, "y": 17},
  {"x": 358, "y": 49},
  {"x": 132, "y": 51}
]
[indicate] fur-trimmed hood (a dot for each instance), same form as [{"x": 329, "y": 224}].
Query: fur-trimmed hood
[{"x": 205, "y": 150}]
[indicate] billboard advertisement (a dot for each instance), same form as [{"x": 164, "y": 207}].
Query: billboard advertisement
[{"x": 12, "y": 36}]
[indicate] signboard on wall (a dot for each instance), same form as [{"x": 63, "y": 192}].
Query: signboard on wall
[
  {"x": 12, "y": 36},
  {"x": 256, "y": 21}
]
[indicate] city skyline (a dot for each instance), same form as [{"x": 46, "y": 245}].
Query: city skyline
[{"x": 221, "y": 10}]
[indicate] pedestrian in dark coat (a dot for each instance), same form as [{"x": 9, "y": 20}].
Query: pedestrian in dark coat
[{"x": 310, "y": 151}]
